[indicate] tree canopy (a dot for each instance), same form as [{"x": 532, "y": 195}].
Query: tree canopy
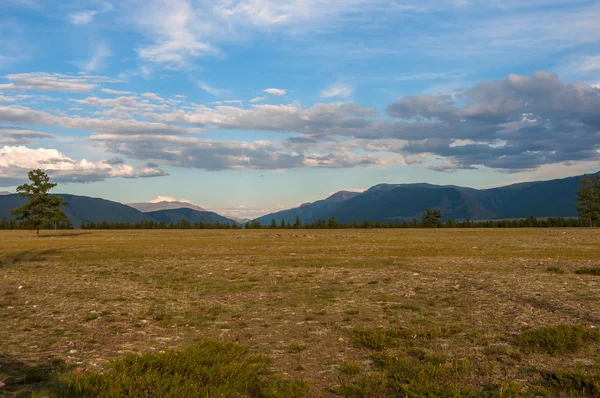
[{"x": 41, "y": 206}]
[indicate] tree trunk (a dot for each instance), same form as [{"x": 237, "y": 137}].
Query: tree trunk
[{"x": 37, "y": 231}]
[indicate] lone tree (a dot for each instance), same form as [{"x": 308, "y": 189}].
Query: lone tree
[
  {"x": 297, "y": 223},
  {"x": 41, "y": 206},
  {"x": 431, "y": 218},
  {"x": 588, "y": 198}
]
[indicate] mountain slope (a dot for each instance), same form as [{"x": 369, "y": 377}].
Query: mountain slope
[
  {"x": 82, "y": 209},
  {"x": 310, "y": 211},
  {"x": 398, "y": 202},
  {"x": 147, "y": 207},
  {"x": 190, "y": 215}
]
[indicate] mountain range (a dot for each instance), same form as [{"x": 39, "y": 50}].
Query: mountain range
[
  {"x": 81, "y": 209},
  {"x": 383, "y": 202},
  {"x": 400, "y": 202}
]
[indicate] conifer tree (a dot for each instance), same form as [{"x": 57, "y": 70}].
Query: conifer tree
[
  {"x": 588, "y": 199},
  {"x": 41, "y": 206}
]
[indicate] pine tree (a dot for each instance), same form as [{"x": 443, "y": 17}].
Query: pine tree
[
  {"x": 297, "y": 223},
  {"x": 282, "y": 224},
  {"x": 41, "y": 206},
  {"x": 431, "y": 218},
  {"x": 273, "y": 224},
  {"x": 332, "y": 223},
  {"x": 588, "y": 202}
]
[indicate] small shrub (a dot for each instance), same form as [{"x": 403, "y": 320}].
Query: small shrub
[
  {"x": 410, "y": 377},
  {"x": 573, "y": 382},
  {"x": 557, "y": 339},
  {"x": 350, "y": 369},
  {"x": 296, "y": 348},
  {"x": 555, "y": 270},
  {"x": 589, "y": 271}
]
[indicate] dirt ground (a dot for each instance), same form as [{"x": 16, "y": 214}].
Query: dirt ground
[{"x": 84, "y": 298}]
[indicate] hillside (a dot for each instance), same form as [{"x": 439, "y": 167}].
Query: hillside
[
  {"x": 190, "y": 215},
  {"x": 82, "y": 209},
  {"x": 398, "y": 202},
  {"x": 311, "y": 211}
]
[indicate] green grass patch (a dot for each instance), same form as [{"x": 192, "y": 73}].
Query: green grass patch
[
  {"x": 208, "y": 369},
  {"x": 296, "y": 348},
  {"x": 380, "y": 339},
  {"x": 557, "y": 340},
  {"x": 589, "y": 271},
  {"x": 555, "y": 269},
  {"x": 411, "y": 377},
  {"x": 573, "y": 383},
  {"x": 350, "y": 368}
]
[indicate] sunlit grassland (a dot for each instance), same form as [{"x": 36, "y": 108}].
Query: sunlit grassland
[{"x": 343, "y": 312}]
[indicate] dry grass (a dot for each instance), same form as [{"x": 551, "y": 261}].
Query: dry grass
[{"x": 78, "y": 300}]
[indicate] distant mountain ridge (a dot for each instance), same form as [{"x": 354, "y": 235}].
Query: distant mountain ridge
[
  {"x": 147, "y": 207},
  {"x": 400, "y": 202},
  {"x": 190, "y": 215},
  {"x": 83, "y": 209}
]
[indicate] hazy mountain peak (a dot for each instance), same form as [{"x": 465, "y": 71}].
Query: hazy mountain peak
[
  {"x": 341, "y": 196},
  {"x": 164, "y": 203}
]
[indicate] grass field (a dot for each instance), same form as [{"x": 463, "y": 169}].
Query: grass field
[{"x": 316, "y": 313}]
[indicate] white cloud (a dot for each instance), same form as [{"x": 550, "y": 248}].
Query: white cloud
[
  {"x": 16, "y": 161},
  {"x": 19, "y": 136},
  {"x": 217, "y": 92},
  {"x": 159, "y": 199},
  {"x": 151, "y": 170},
  {"x": 41, "y": 81},
  {"x": 176, "y": 31},
  {"x": 115, "y": 92},
  {"x": 257, "y": 99},
  {"x": 82, "y": 17},
  {"x": 275, "y": 91},
  {"x": 337, "y": 90},
  {"x": 28, "y": 116},
  {"x": 152, "y": 96},
  {"x": 100, "y": 54},
  {"x": 86, "y": 16}
]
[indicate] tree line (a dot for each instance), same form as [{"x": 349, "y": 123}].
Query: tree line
[
  {"x": 332, "y": 223},
  {"x": 42, "y": 211}
]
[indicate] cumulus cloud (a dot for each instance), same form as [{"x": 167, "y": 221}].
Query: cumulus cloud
[
  {"x": 159, "y": 199},
  {"x": 16, "y": 161},
  {"x": 114, "y": 161},
  {"x": 41, "y": 81},
  {"x": 151, "y": 170},
  {"x": 320, "y": 119},
  {"x": 191, "y": 152},
  {"x": 275, "y": 91},
  {"x": 514, "y": 124}
]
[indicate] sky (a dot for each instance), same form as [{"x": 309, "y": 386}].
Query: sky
[{"x": 246, "y": 107}]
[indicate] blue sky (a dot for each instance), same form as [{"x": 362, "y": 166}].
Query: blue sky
[{"x": 250, "y": 106}]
